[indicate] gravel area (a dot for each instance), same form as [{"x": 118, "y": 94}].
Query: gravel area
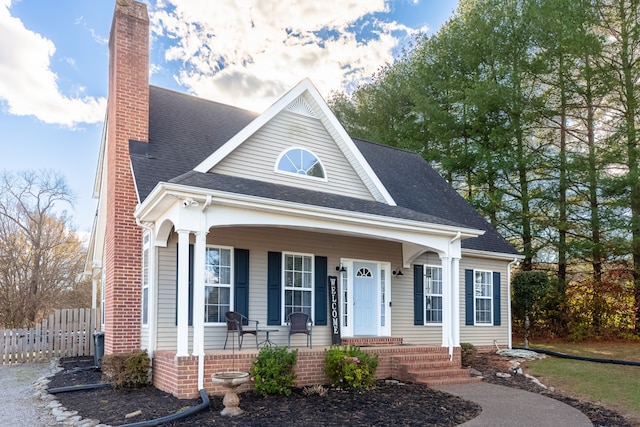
[{"x": 19, "y": 407}]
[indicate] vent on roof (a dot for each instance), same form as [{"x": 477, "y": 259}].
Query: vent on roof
[{"x": 300, "y": 106}]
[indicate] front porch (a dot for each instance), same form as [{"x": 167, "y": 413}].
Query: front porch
[{"x": 429, "y": 365}]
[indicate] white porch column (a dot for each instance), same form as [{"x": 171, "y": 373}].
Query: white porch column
[
  {"x": 198, "y": 293},
  {"x": 183, "y": 294},
  {"x": 455, "y": 303},
  {"x": 198, "y": 303},
  {"x": 446, "y": 301}
]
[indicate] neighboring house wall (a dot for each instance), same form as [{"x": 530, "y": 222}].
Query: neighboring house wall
[
  {"x": 484, "y": 335},
  {"x": 128, "y": 118},
  {"x": 256, "y": 158}
]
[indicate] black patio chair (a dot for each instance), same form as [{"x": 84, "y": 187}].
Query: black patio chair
[
  {"x": 235, "y": 326},
  {"x": 300, "y": 323}
]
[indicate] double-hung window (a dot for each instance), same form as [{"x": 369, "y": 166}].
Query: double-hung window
[
  {"x": 433, "y": 294},
  {"x": 483, "y": 297},
  {"x": 298, "y": 283},
  {"x": 217, "y": 284}
]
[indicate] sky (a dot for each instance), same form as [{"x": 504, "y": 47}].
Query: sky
[{"x": 247, "y": 53}]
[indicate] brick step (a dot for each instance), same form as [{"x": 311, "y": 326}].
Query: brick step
[
  {"x": 436, "y": 374},
  {"x": 372, "y": 341},
  {"x": 450, "y": 381},
  {"x": 426, "y": 357},
  {"x": 416, "y": 366}
]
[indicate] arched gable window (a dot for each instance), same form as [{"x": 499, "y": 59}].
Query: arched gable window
[{"x": 300, "y": 162}]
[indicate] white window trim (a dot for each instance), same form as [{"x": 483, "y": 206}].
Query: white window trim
[
  {"x": 384, "y": 272},
  {"x": 490, "y": 298},
  {"x": 285, "y": 288},
  {"x": 424, "y": 290},
  {"x": 346, "y": 296},
  {"x": 231, "y": 287},
  {"x": 146, "y": 247},
  {"x": 313, "y": 178}
]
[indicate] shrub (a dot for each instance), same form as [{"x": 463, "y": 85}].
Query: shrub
[
  {"x": 272, "y": 371},
  {"x": 468, "y": 352},
  {"x": 127, "y": 370},
  {"x": 350, "y": 367},
  {"x": 318, "y": 389}
]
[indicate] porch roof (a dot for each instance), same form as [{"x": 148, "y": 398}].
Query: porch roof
[{"x": 249, "y": 187}]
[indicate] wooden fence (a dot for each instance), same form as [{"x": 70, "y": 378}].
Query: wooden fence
[{"x": 66, "y": 333}]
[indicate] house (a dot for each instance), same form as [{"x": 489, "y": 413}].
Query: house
[{"x": 205, "y": 208}]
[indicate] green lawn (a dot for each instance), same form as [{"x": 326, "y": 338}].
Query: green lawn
[{"x": 615, "y": 386}]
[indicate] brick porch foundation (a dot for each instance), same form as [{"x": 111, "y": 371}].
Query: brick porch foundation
[{"x": 179, "y": 375}]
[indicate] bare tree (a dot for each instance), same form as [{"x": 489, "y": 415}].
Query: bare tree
[{"x": 41, "y": 257}]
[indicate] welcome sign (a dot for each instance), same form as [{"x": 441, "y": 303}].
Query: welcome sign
[{"x": 335, "y": 312}]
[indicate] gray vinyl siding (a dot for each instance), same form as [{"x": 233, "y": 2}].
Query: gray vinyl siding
[
  {"x": 167, "y": 331},
  {"x": 144, "y": 336},
  {"x": 485, "y": 335},
  {"x": 256, "y": 158},
  {"x": 259, "y": 241},
  {"x": 403, "y": 308},
  {"x": 349, "y": 155}
]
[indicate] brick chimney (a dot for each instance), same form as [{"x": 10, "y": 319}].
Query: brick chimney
[{"x": 128, "y": 119}]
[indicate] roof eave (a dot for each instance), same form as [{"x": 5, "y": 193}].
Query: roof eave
[{"x": 164, "y": 195}]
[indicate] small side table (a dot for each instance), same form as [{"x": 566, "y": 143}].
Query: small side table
[{"x": 267, "y": 341}]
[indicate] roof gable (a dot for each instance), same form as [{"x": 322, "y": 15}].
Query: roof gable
[
  {"x": 305, "y": 99},
  {"x": 282, "y": 139}
]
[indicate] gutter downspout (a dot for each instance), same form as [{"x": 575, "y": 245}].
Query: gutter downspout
[
  {"x": 455, "y": 300},
  {"x": 207, "y": 203},
  {"x": 509, "y": 339}
]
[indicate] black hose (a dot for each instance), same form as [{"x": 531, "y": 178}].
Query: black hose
[
  {"x": 174, "y": 417},
  {"x": 586, "y": 359},
  {"x": 77, "y": 388}
]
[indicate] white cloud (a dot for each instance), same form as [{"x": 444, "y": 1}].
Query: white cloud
[
  {"x": 248, "y": 53},
  {"x": 28, "y": 86}
]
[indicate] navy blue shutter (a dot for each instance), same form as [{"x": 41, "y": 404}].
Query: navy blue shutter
[
  {"x": 274, "y": 286},
  {"x": 321, "y": 294},
  {"x": 191, "y": 249},
  {"x": 418, "y": 295},
  {"x": 496, "y": 298},
  {"x": 241, "y": 282},
  {"x": 468, "y": 297}
]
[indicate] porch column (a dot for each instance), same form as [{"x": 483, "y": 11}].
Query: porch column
[
  {"x": 198, "y": 303},
  {"x": 198, "y": 293},
  {"x": 446, "y": 300},
  {"x": 183, "y": 294},
  {"x": 455, "y": 303}
]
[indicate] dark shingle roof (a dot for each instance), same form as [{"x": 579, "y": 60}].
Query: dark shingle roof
[
  {"x": 185, "y": 130},
  {"x": 232, "y": 184}
]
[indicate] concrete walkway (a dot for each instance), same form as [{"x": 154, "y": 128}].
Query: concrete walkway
[{"x": 510, "y": 407}]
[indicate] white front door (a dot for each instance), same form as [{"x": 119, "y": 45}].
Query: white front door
[{"x": 365, "y": 299}]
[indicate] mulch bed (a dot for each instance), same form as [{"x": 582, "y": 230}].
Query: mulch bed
[{"x": 386, "y": 404}]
